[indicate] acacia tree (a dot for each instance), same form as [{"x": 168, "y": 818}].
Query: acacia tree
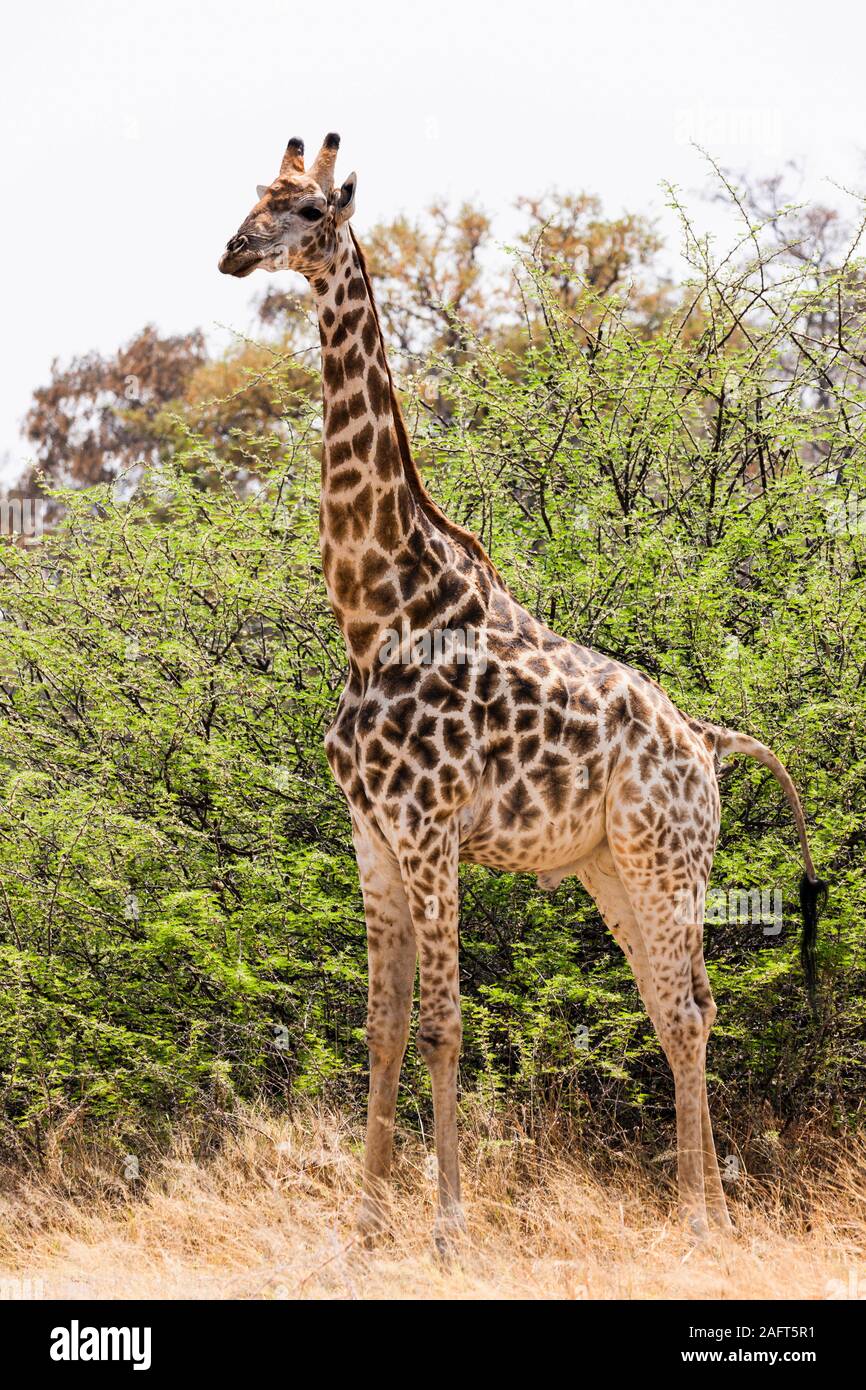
[
  {"x": 581, "y": 250},
  {"x": 816, "y": 247},
  {"x": 96, "y": 415}
]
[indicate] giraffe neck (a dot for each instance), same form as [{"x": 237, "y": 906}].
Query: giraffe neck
[
  {"x": 382, "y": 538},
  {"x": 367, "y": 509}
]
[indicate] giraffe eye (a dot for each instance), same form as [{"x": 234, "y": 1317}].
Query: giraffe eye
[{"x": 310, "y": 214}]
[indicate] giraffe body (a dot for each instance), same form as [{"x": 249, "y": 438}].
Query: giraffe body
[{"x": 517, "y": 749}]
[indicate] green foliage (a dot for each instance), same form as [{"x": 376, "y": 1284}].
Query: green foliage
[{"x": 180, "y": 920}]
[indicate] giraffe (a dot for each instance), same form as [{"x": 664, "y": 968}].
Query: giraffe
[{"x": 519, "y": 750}]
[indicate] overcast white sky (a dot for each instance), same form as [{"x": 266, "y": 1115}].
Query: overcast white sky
[{"x": 134, "y": 135}]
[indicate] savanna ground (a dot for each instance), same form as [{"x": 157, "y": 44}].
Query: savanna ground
[{"x": 269, "y": 1215}]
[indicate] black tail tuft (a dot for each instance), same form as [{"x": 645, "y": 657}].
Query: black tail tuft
[{"x": 813, "y": 896}]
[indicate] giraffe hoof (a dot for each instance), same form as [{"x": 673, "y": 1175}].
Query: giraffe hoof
[
  {"x": 449, "y": 1233},
  {"x": 371, "y": 1224},
  {"x": 697, "y": 1228},
  {"x": 721, "y": 1221}
]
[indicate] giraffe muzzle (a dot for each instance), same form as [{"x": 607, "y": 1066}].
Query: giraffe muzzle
[{"x": 238, "y": 258}]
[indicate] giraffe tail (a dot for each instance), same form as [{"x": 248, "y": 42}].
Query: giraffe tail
[{"x": 813, "y": 890}]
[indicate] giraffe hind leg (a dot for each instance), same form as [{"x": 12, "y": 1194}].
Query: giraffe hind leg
[{"x": 600, "y": 877}]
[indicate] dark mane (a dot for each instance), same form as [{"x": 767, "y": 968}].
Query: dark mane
[{"x": 463, "y": 537}]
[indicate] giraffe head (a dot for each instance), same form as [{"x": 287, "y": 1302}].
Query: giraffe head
[{"x": 293, "y": 226}]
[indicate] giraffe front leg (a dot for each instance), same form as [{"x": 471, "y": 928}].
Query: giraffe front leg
[
  {"x": 391, "y": 954},
  {"x": 430, "y": 876},
  {"x": 717, "y": 1206}
]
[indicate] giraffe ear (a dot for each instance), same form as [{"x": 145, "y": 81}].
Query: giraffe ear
[
  {"x": 261, "y": 189},
  {"x": 346, "y": 199}
]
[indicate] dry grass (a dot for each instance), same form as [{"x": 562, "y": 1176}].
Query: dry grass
[{"x": 270, "y": 1216}]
